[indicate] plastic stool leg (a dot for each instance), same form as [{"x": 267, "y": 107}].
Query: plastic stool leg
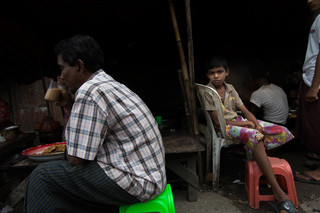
[{"x": 283, "y": 172}]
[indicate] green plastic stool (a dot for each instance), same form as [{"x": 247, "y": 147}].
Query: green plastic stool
[{"x": 163, "y": 203}]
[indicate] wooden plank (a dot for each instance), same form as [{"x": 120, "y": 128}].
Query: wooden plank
[
  {"x": 192, "y": 191},
  {"x": 181, "y": 143},
  {"x": 185, "y": 173}
]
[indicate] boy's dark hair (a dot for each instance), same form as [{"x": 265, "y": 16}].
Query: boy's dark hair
[
  {"x": 81, "y": 47},
  {"x": 216, "y": 61}
]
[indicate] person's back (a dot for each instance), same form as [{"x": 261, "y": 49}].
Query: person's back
[
  {"x": 273, "y": 101},
  {"x": 268, "y": 102},
  {"x": 129, "y": 133},
  {"x": 114, "y": 151}
]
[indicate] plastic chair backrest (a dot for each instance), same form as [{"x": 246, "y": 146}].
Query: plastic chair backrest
[
  {"x": 203, "y": 91},
  {"x": 163, "y": 203},
  {"x": 213, "y": 142}
]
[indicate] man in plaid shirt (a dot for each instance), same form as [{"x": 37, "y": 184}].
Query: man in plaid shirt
[{"x": 115, "y": 154}]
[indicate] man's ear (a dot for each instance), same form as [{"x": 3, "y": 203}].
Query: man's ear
[{"x": 80, "y": 65}]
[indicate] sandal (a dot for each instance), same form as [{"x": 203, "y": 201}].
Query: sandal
[
  {"x": 308, "y": 178},
  {"x": 286, "y": 205}
]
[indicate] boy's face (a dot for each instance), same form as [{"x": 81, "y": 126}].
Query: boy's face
[
  {"x": 217, "y": 75},
  {"x": 313, "y": 4}
]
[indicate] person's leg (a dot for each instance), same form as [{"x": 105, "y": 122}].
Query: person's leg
[
  {"x": 308, "y": 117},
  {"x": 263, "y": 162},
  {"x": 59, "y": 187},
  {"x": 275, "y": 135},
  {"x": 255, "y": 148},
  {"x": 308, "y": 133}
]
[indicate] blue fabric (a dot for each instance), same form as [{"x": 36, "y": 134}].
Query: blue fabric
[{"x": 57, "y": 186}]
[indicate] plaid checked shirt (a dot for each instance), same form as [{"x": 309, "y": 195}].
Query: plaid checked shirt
[{"x": 111, "y": 125}]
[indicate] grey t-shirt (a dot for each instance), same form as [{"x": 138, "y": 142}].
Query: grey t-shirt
[{"x": 274, "y": 102}]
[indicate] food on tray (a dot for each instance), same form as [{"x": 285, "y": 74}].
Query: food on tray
[{"x": 53, "y": 149}]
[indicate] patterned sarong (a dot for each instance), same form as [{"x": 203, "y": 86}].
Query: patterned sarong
[
  {"x": 57, "y": 186},
  {"x": 273, "y": 135}
]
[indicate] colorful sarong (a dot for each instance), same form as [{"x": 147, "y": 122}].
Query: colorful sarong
[{"x": 273, "y": 135}]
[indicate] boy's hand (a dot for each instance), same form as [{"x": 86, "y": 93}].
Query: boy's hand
[
  {"x": 259, "y": 128},
  {"x": 250, "y": 124}
]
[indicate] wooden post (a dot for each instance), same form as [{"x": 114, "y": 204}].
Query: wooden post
[
  {"x": 191, "y": 68},
  {"x": 184, "y": 97},
  {"x": 183, "y": 64}
]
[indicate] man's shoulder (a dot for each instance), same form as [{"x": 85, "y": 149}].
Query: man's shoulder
[
  {"x": 262, "y": 92},
  {"x": 98, "y": 80},
  {"x": 257, "y": 92},
  {"x": 276, "y": 87}
]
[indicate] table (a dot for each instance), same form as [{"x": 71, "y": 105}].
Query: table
[
  {"x": 181, "y": 147},
  {"x": 9, "y": 155},
  {"x": 24, "y": 140}
]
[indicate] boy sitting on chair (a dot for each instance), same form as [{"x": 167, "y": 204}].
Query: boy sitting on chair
[{"x": 256, "y": 135}]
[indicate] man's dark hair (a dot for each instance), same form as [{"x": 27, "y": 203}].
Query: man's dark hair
[
  {"x": 216, "y": 61},
  {"x": 81, "y": 47}
]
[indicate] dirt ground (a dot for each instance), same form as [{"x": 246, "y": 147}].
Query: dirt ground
[{"x": 233, "y": 170}]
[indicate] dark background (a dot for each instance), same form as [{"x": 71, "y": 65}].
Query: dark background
[{"x": 139, "y": 44}]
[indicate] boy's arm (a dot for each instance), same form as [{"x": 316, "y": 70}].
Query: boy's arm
[
  {"x": 75, "y": 161},
  {"x": 255, "y": 110},
  {"x": 215, "y": 119},
  {"x": 248, "y": 115},
  {"x": 312, "y": 93}
]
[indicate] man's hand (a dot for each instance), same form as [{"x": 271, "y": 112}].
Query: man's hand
[
  {"x": 65, "y": 99},
  {"x": 312, "y": 94}
]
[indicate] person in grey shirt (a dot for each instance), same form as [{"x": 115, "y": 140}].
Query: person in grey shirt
[{"x": 268, "y": 101}]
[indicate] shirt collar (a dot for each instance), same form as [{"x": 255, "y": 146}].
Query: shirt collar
[
  {"x": 95, "y": 74},
  {"x": 228, "y": 88}
]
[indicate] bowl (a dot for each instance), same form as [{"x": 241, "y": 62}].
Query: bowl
[{"x": 11, "y": 132}]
